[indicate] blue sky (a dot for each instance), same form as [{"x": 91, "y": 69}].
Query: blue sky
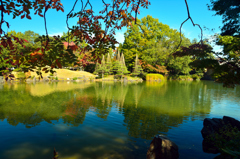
[{"x": 170, "y": 12}]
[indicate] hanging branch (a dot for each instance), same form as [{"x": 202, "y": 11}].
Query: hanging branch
[
  {"x": 136, "y": 11},
  {"x": 194, "y": 24},
  {"x": 45, "y": 22},
  {"x": 2, "y": 20},
  {"x": 107, "y": 27},
  {"x": 68, "y": 17}
]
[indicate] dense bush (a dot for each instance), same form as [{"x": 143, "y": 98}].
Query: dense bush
[
  {"x": 197, "y": 76},
  {"x": 152, "y": 77}
]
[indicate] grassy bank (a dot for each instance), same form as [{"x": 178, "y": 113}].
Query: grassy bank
[{"x": 60, "y": 73}]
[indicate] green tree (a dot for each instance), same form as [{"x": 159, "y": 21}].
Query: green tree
[
  {"x": 152, "y": 40},
  {"x": 109, "y": 65},
  {"x": 119, "y": 66},
  {"x": 137, "y": 69},
  {"x": 179, "y": 65},
  {"x": 226, "y": 64},
  {"x": 229, "y": 10}
]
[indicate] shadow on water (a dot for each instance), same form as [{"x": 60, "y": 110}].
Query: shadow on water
[{"x": 99, "y": 120}]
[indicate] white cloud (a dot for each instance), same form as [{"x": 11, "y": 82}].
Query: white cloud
[{"x": 56, "y": 34}]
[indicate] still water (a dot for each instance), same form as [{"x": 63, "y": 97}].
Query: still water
[{"x": 108, "y": 120}]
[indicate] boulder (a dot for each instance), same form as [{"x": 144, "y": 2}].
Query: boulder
[
  {"x": 214, "y": 126},
  {"x": 162, "y": 148},
  {"x": 28, "y": 80},
  {"x": 34, "y": 79},
  {"x": 1, "y": 79},
  {"x": 233, "y": 122},
  {"x": 45, "y": 79}
]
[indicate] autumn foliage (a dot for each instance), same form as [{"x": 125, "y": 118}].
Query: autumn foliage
[{"x": 88, "y": 29}]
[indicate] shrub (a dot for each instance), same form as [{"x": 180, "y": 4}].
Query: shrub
[
  {"x": 151, "y": 77},
  {"x": 21, "y": 76},
  {"x": 197, "y": 76},
  {"x": 75, "y": 78},
  {"x": 91, "y": 78},
  {"x": 143, "y": 75},
  {"x": 56, "y": 78},
  {"x": 117, "y": 76},
  {"x": 184, "y": 77}
]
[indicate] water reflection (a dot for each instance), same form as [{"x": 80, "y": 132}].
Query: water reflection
[
  {"x": 147, "y": 107},
  {"x": 107, "y": 114}
]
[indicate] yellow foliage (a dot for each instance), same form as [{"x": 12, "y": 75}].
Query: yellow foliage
[{"x": 153, "y": 77}]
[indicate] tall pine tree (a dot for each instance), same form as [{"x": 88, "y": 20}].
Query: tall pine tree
[{"x": 137, "y": 69}]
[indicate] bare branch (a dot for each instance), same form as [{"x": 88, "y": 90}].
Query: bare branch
[
  {"x": 189, "y": 17},
  {"x": 2, "y": 20},
  {"x": 68, "y": 18},
  {"x": 137, "y": 11},
  {"x": 45, "y": 22}
]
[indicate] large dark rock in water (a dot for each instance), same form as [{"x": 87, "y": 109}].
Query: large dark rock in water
[
  {"x": 213, "y": 126},
  {"x": 162, "y": 148}
]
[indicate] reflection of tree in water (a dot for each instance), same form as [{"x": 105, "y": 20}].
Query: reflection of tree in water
[
  {"x": 120, "y": 93},
  {"x": 110, "y": 92},
  {"x": 179, "y": 102},
  {"x": 147, "y": 107},
  {"x": 103, "y": 99},
  {"x": 76, "y": 109},
  {"x": 18, "y": 106},
  {"x": 136, "y": 91},
  {"x": 145, "y": 123}
]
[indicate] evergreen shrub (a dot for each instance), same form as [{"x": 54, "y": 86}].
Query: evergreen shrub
[
  {"x": 143, "y": 75},
  {"x": 185, "y": 77},
  {"x": 152, "y": 77},
  {"x": 117, "y": 76}
]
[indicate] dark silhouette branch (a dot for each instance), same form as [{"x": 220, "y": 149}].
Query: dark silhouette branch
[
  {"x": 68, "y": 18},
  {"x": 189, "y": 17},
  {"x": 136, "y": 11},
  {"x": 2, "y": 20},
  {"x": 45, "y": 22}
]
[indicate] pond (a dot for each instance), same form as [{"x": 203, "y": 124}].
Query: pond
[{"x": 108, "y": 120}]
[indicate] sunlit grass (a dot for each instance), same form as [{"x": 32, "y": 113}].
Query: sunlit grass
[{"x": 65, "y": 73}]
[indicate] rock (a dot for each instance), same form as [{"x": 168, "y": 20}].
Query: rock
[
  {"x": 212, "y": 127},
  {"x": 1, "y": 79},
  {"x": 34, "y": 79},
  {"x": 162, "y": 148},
  {"x": 45, "y": 79},
  {"x": 28, "y": 80},
  {"x": 233, "y": 122}
]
